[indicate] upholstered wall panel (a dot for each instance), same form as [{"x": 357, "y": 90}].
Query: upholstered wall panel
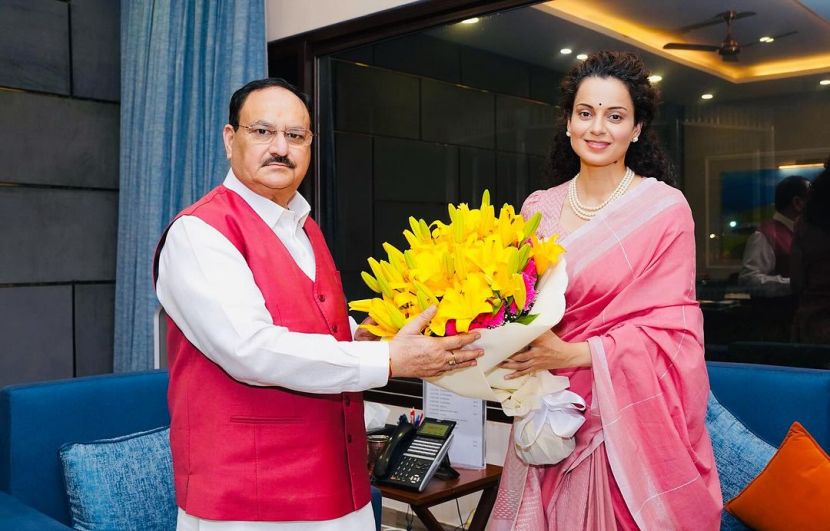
[
  {"x": 477, "y": 172},
  {"x": 353, "y": 223},
  {"x": 421, "y": 55},
  {"x": 375, "y": 101},
  {"x": 391, "y": 218},
  {"x": 457, "y": 115},
  {"x": 34, "y": 45},
  {"x": 96, "y": 49},
  {"x": 55, "y": 235},
  {"x": 36, "y": 327},
  {"x": 94, "y": 324},
  {"x": 407, "y": 170},
  {"x": 494, "y": 72},
  {"x": 511, "y": 179},
  {"x": 59, "y": 141},
  {"x": 523, "y": 126},
  {"x": 544, "y": 85}
]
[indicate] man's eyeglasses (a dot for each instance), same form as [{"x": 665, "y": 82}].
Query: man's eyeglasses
[{"x": 296, "y": 136}]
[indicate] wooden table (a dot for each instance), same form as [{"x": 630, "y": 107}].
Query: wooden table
[{"x": 440, "y": 491}]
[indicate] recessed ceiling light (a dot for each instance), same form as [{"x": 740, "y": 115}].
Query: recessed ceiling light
[
  {"x": 582, "y": 56},
  {"x": 473, "y": 20},
  {"x": 824, "y": 82},
  {"x": 565, "y": 51},
  {"x": 766, "y": 39},
  {"x": 706, "y": 96},
  {"x": 655, "y": 78}
]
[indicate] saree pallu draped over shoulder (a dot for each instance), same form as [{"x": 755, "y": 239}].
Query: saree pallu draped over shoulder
[{"x": 643, "y": 458}]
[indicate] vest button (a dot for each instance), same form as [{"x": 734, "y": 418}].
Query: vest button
[
  {"x": 334, "y": 328},
  {"x": 348, "y": 438},
  {"x": 321, "y": 298},
  {"x": 346, "y": 400}
]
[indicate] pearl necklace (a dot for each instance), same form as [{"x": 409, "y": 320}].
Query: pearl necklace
[{"x": 588, "y": 212}]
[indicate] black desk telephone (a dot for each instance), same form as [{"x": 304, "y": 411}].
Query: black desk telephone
[{"x": 413, "y": 455}]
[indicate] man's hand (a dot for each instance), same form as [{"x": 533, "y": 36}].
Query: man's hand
[
  {"x": 361, "y": 334},
  {"x": 413, "y": 354}
]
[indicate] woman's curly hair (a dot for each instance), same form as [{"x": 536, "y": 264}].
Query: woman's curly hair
[{"x": 646, "y": 157}]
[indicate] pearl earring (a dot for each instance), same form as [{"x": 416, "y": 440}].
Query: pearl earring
[
  {"x": 636, "y": 138},
  {"x": 567, "y": 133}
]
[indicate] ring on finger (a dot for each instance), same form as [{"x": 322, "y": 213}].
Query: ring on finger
[{"x": 452, "y": 361}]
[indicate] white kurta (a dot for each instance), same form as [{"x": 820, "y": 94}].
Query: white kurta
[
  {"x": 207, "y": 288},
  {"x": 759, "y": 264}
]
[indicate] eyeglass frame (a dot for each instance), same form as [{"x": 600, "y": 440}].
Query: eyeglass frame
[{"x": 284, "y": 130}]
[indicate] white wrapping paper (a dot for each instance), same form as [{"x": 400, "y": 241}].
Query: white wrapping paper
[
  {"x": 502, "y": 342},
  {"x": 546, "y": 415}
]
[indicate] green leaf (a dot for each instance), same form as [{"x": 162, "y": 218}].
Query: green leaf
[
  {"x": 531, "y": 225},
  {"x": 527, "y": 319}
]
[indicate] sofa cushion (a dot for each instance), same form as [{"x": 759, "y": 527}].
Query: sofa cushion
[
  {"x": 793, "y": 489},
  {"x": 739, "y": 454},
  {"x": 123, "y": 483}
]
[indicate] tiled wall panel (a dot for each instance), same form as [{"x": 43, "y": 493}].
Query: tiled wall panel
[
  {"x": 52, "y": 235},
  {"x": 34, "y": 45},
  {"x": 96, "y": 49},
  {"x": 94, "y": 326},
  {"x": 36, "y": 327},
  {"x": 59, "y": 141}
]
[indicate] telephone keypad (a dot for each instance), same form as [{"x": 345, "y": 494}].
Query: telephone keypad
[{"x": 417, "y": 460}]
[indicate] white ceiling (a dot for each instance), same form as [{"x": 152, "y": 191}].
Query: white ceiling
[{"x": 536, "y": 34}]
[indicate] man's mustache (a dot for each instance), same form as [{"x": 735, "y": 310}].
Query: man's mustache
[{"x": 280, "y": 159}]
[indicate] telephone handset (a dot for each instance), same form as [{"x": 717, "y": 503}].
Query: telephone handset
[{"x": 412, "y": 457}]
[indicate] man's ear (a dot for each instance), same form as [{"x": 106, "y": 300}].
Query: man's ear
[{"x": 228, "y": 136}]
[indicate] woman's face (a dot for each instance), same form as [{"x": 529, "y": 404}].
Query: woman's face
[{"x": 602, "y": 122}]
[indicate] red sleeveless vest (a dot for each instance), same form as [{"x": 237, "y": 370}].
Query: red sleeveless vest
[
  {"x": 243, "y": 452},
  {"x": 780, "y": 238}
]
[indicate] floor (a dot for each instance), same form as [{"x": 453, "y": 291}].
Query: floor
[{"x": 392, "y": 520}]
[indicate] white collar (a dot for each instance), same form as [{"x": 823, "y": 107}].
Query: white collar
[
  {"x": 270, "y": 212},
  {"x": 789, "y": 223}
]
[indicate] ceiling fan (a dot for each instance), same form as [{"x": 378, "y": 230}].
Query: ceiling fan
[{"x": 729, "y": 48}]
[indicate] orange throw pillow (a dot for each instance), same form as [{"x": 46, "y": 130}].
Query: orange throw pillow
[{"x": 793, "y": 490}]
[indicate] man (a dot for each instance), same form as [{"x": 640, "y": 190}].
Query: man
[
  {"x": 766, "y": 260},
  {"x": 266, "y": 412}
]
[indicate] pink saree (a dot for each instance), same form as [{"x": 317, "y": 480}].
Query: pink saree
[{"x": 643, "y": 458}]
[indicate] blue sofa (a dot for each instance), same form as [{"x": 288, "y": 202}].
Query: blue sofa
[
  {"x": 37, "y": 419},
  {"x": 768, "y": 398}
]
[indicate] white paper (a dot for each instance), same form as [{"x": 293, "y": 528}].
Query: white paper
[
  {"x": 467, "y": 449},
  {"x": 502, "y": 342}
]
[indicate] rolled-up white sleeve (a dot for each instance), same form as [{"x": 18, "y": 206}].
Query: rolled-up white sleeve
[
  {"x": 758, "y": 267},
  {"x": 206, "y": 287}
]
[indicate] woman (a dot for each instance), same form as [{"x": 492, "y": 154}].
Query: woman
[
  {"x": 631, "y": 340},
  {"x": 810, "y": 264}
]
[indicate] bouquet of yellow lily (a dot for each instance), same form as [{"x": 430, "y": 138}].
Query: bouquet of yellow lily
[
  {"x": 485, "y": 272},
  {"x": 480, "y": 270}
]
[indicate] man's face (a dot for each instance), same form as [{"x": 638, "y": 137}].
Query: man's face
[{"x": 275, "y": 169}]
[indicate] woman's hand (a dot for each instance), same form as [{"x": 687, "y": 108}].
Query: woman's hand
[{"x": 548, "y": 352}]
